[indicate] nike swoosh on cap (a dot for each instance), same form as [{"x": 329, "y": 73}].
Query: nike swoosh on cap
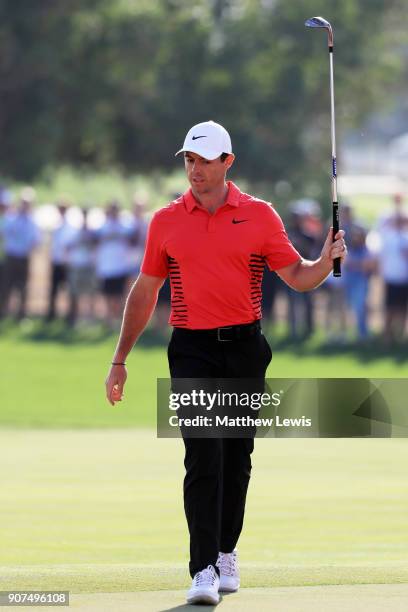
[
  {"x": 239, "y": 220},
  {"x": 195, "y": 137}
]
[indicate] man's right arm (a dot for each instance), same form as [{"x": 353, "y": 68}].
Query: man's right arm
[{"x": 139, "y": 307}]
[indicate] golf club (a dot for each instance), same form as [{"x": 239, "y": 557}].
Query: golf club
[{"x": 320, "y": 22}]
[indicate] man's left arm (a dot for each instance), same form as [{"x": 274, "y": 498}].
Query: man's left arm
[{"x": 304, "y": 275}]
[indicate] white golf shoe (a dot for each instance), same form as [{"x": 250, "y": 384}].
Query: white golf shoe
[
  {"x": 227, "y": 563},
  {"x": 204, "y": 589}
]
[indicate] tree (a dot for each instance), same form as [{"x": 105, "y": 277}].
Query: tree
[{"x": 118, "y": 83}]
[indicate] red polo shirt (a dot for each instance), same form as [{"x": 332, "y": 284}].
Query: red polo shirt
[{"x": 216, "y": 261}]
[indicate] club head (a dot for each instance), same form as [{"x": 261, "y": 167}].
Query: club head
[{"x": 320, "y": 22}]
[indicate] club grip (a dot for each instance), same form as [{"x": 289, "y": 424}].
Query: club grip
[{"x": 337, "y": 261}]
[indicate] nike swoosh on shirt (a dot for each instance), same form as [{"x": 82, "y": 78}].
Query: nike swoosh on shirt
[
  {"x": 239, "y": 221},
  {"x": 195, "y": 137}
]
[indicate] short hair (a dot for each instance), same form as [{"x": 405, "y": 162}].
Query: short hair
[{"x": 223, "y": 156}]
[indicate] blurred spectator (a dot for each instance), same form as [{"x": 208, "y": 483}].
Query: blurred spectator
[
  {"x": 309, "y": 212},
  {"x": 346, "y": 219},
  {"x": 398, "y": 210},
  {"x": 343, "y": 297},
  {"x": 335, "y": 287},
  {"x": 305, "y": 231},
  {"x": 393, "y": 264},
  {"x": 5, "y": 198},
  {"x": 138, "y": 232},
  {"x": 21, "y": 235},
  {"x": 359, "y": 266},
  {"x": 59, "y": 254},
  {"x": 112, "y": 257},
  {"x": 271, "y": 286},
  {"x": 81, "y": 271}
]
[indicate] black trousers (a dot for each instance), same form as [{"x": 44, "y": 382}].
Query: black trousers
[
  {"x": 14, "y": 278},
  {"x": 58, "y": 280},
  {"x": 217, "y": 469}
]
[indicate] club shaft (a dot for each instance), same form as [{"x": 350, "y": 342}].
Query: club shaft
[
  {"x": 333, "y": 129},
  {"x": 337, "y": 261}
]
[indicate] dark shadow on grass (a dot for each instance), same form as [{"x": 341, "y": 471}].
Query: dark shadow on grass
[
  {"x": 370, "y": 351},
  {"x": 187, "y": 606},
  {"x": 59, "y": 332},
  {"x": 152, "y": 338},
  {"x": 364, "y": 353}
]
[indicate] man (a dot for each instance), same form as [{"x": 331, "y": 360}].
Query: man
[
  {"x": 397, "y": 211},
  {"x": 5, "y": 198},
  {"x": 137, "y": 240},
  {"x": 113, "y": 243},
  {"x": 335, "y": 321},
  {"x": 59, "y": 253},
  {"x": 304, "y": 232},
  {"x": 212, "y": 242},
  {"x": 81, "y": 271},
  {"x": 360, "y": 266},
  {"x": 21, "y": 236},
  {"x": 393, "y": 266}
]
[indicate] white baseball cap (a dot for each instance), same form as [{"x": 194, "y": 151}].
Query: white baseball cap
[{"x": 208, "y": 139}]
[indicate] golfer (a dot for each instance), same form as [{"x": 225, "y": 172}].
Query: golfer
[{"x": 212, "y": 242}]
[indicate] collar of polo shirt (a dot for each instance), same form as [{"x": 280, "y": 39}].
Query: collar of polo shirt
[{"x": 232, "y": 199}]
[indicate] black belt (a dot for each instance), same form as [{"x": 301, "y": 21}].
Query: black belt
[{"x": 224, "y": 334}]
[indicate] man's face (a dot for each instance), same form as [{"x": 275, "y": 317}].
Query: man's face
[
  {"x": 25, "y": 206},
  {"x": 398, "y": 201},
  {"x": 205, "y": 175},
  {"x": 112, "y": 212}
]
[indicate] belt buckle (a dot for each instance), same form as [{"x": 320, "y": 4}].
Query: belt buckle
[{"x": 220, "y": 329}]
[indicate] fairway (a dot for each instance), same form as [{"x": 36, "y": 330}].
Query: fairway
[
  {"x": 91, "y": 501},
  {"x": 101, "y": 512}
]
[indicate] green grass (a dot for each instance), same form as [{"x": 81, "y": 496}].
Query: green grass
[
  {"x": 91, "y": 502},
  {"x": 52, "y": 377},
  {"x": 54, "y": 383},
  {"x": 88, "y": 187},
  {"x": 102, "y": 511}
]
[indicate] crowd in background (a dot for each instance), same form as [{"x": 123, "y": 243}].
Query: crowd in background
[
  {"x": 89, "y": 263},
  {"x": 381, "y": 251},
  {"x": 84, "y": 261}
]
